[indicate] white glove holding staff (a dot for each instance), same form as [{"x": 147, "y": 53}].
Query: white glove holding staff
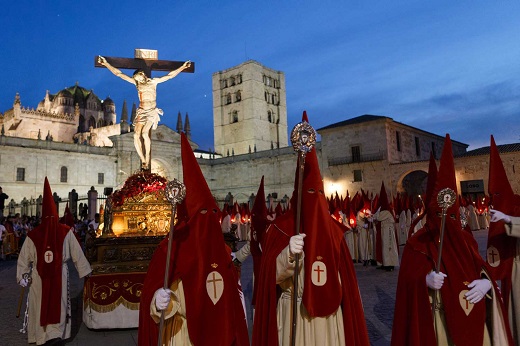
[
  {"x": 435, "y": 280},
  {"x": 296, "y": 244},
  {"x": 162, "y": 298}
]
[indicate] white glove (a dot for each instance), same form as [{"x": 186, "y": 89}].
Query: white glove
[
  {"x": 479, "y": 288},
  {"x": 498, "y": 215},
  {"x": 233, "y": 256},
  {"x": 365, "y": 226},
  {"x": 162, "y": 298},
  {"x": 296, "y": 244},
  {"x": 434, "y": 280},
  {"x": 23, "y": 282}
]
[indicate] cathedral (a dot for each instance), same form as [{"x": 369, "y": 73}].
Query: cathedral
[{"x": 74, "y": 139}]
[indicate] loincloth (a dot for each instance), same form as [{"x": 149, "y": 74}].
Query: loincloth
[{"x": 144, "y": 116}]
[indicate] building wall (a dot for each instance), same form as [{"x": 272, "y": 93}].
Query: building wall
[
  {"x": 42, "y": 159},
  {"x": 337, "y": 142}
]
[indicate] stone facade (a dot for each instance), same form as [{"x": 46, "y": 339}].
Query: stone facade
[
  {"x": 24, "y": 163},
  {"x": 249, "y": 109},
  {"x": 73, "y": 114}
]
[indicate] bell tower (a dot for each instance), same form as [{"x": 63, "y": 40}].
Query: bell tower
[{"x": 249, "y": 109}]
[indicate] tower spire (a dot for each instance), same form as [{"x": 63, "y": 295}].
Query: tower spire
[
  {"x": 187, "y": 129},
  {"x": 179, "y": 122}
]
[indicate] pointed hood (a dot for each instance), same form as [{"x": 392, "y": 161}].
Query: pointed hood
[
  {"x": 445, "y": 179},
  {"x": 68, "y": 218},
  {"x": 320, "y": 242},
  {"x": 198, "y": 194},
  {"x": 383, "y": 198},
  {"x": 501, "y": 251},
  {"x": 499, "y": 188},
  {"x": 48, "y": 204}
]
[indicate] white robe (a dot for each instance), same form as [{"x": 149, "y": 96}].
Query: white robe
[
  {"x": 364, "y": 243},
  {"x": 71, "y": 250},
  {"x": 175, "y": 323},
  {"x": 309, "y": 331},
  {"x": 388, "y": 241}
]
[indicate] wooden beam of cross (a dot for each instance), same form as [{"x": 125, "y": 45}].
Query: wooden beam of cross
[{"x": 146, "y": 64}]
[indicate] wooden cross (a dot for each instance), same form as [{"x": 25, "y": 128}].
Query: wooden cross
[{"x": 145, "y": 61}]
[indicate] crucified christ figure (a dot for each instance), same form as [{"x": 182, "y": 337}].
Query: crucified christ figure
[{"x": 147, "y": 115}]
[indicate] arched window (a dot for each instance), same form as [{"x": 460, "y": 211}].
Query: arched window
[
  {"x": 92, "y": 122},
  {"x": 101, "y": 123},
  {"x": 238, "y": 96},
  {"x": 234, "y": 117},
  {"x": 63, "y": 174},
  {"x": 228, "y": 99},
  {"x": 269, "y": 116},
  {"x": 232, "y": 81}
]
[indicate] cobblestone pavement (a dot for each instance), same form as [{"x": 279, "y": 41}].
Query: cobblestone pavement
[{"x": 377, "y": 289}]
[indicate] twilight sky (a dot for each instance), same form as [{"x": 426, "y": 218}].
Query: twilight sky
[{"x": 442, "y": 66}]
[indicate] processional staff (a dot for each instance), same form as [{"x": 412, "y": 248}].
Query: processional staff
[
  {"x": 27, "y": 278},
  {"x": 175, "y": 193},
  {"x": 303, "y": 139},
  {"x": 445, "y": 199}
]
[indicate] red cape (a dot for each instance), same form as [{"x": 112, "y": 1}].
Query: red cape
[
  {"x": 194, "y": 250},
  {"x": 413, "y": 320},
  {"x": 49, "y": 236},
  {"x": 265, "y": 331}
]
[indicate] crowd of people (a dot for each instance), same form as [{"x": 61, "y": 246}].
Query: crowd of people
[{"x": 14, "y": 230}]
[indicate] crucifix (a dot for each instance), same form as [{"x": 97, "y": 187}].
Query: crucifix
[{"x": 147, "y": 115}]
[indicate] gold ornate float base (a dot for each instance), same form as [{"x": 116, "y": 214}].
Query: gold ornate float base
[{"x": 134, "y": 221}]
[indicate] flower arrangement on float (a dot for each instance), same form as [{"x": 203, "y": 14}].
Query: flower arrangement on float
[{"x": 136, "y": 184}]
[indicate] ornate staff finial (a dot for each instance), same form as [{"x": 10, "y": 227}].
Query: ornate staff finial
[
  {"x": 446, "y": 198},
  {"x": 303, "y": 137},
  {"x": 175, "y": 191}
]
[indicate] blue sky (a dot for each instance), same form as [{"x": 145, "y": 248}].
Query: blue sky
[{"x": 442, "y": 66}]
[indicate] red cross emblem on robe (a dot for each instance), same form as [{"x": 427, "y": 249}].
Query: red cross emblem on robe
[{"x": 319, "y": 273}]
